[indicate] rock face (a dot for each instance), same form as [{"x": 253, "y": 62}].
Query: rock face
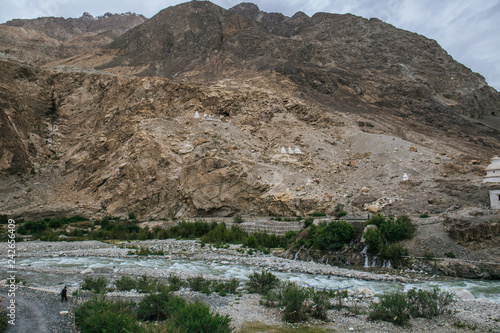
[{"x": 111, "y": 130}]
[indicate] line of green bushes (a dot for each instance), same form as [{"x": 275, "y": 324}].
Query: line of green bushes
[
  {"x": 174, "y": 313},
  {"x": 399, "y": 308}
]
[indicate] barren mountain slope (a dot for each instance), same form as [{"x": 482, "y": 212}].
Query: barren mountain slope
[{"x": 357, "y": 102}]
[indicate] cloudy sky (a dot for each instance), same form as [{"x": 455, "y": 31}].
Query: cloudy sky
[{"x": 469, "y": 30}]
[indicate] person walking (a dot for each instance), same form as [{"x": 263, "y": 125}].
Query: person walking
[{"x": 64, "y": 294}]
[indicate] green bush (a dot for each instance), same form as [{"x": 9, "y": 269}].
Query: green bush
[
  {"x": 148, "y": 285},
  {"x": 393, "y": 307},
  {"x": 126, "y": 283},
  {"x": 424, "y": 216},
  {"x": 321, "y": 302},
  {"x": 262, "y": 283},
  {"x": 373, "y": 240},
  {"x": 196, "y": 317},
  {"x": 394, "y": 252},
  {"x": 174, "y": 282},
  {"x": 159, "y": 306},
  {"x": 292, "y": 299},
  {"x": 200, "y": 284},
  {"x": 95, "y": 285},
  {"x": 376, "y": 219},
  {"x": 397, "y": 230},
  {"x": 225, "y": 287},
  {"x": 237, "y": 219},
  {"x": 333, "y": 235},
  {"x": 428, "y": 303},
  {"x": 100, "y": 315},
  {"x": 341, "y": 214},
  {"x": 450, "y": 255}
]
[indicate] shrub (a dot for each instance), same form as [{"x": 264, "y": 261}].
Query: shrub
[
  {"x": 308, "y": 221},
  {"x": 148, "y": 285},
  {"x": 95, "y": 285},
  {"x": 394, "y": 252},
  {"x": 424, "y": 216},
  {"x": 146, "y": 251},
  {"x": 132, "y": 216},
  {"x": 318, "y": 214},
  {"x": 197, "y": 317},
  {"x": 376, "y": 219},
  {"x": 321, "y": 302},
  {"x": 199, "y": 283},
  {"x": 373, "y": 240},
  {"x": 159, "y": 306},
  {"x": 450, "y": 255},
  {"x": 341, "y": 214},
  {"x": 428, "y": 254},
  {"x": 393, "y": 307},
  {"x": 225, "y": 287},
  {"x": 428, "y": 303},
  {"x": 175, "y": 283},
  {"x": 333, "y": 235},
  {"x": 262, "y": 283},
  {"x": 100, "y": 315},
  {"x": 291, "y": 298},
  {"x": 400, "y": 229},
  {"x": 126, "y": 283},
  {"x": 237, "y": 219}
]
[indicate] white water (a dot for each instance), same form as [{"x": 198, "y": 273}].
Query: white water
[{"x": 479, "y": 288}]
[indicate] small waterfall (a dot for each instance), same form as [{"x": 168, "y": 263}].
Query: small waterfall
[
  {"x": 389, "y": 264},
  {"x": 364, "y": 252},
  {"x": 297, "y": 254},
  {"x": 374, "y": 261}
]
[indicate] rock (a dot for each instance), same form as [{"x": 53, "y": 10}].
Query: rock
[
  {"x": 373, "y": 208},
  {"x": 87, "y": 271},
  {"x": 462, "y": 293},
  {"x": 365, "y": 292},
  {"x": 64, "y": 313}
]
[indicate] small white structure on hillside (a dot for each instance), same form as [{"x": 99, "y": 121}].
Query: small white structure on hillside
[
  {"x": 405, "y": 177},
  {"x": 283, "y": 150},
  {"x": 197, "y": 115},
  {"x": 493, "y": 171},
  {"x": 493, "y": 177}
]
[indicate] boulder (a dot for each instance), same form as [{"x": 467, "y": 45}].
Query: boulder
[{"x": 87, "y": 271}]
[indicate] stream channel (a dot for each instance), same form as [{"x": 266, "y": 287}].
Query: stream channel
[{"x": 486, "y": 289}]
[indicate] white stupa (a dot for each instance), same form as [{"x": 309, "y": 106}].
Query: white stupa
[
  {"x": 405, "y": 177},
  {"x": 493, "y": 178},
  {"x": 297, "y": 151},
  {"x": 290, "y": 150},
  {"x": 283, "y": 150},
  {"x": 197, "y": 115},
  {"x": 493, "y": 171}
]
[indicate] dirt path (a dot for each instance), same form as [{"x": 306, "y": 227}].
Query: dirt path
[{"x": 37, "y": 311}]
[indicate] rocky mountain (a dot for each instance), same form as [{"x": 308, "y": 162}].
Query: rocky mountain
[
  {"x": 50, "y": 38},
  {"x": 203, "y": 111}
]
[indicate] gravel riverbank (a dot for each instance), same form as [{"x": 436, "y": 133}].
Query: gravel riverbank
[{"x": 245, "y": 310}]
